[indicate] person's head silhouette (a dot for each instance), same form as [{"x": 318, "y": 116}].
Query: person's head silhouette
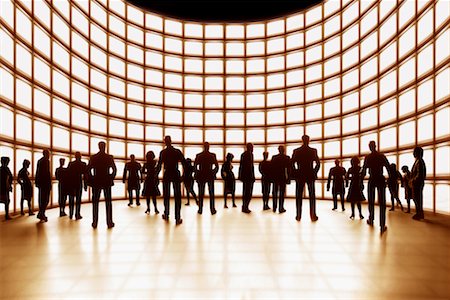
[
  {"x": 77, "y": 156},
  {"x": 206, "y": 146},
  {"x": 46, "y": 154},
  {"x": 61, "y": 162},
  {"x": 372, "y": 146},
  {"x": 393, "y": 167},
  {"x": 265, "y": 155},
  {"x": 188, "y": 161},
  {"x": 281, "y": 149},
  {"x": 405, "y": 169},
  {"x": 355, "y": 161},
  {"x": 418, "y": 152},
  {"x": 168, "y": 140},
  {"x": 337, "y": 162},
  {"x": 5, "y": 161},
  {"x": 26, "y": 163},
  {"x": 150, "y": 156},
  {"x": 230, "y": 157},
  {"x": 250, "y": 147},
  {"x": 132, "y": 157},
  {"x": 305, "y": 139},
  {"x": 102, "y": 147}
]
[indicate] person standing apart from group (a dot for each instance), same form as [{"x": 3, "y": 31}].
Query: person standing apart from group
[
  {"x": 418, "y": 174},
  {"x": 133, "y": 169},
  {"x": 6, "y": 180},
  {"x": 43, "y": 181},
  {"x": 247, "y": 176},
  {"x": 337, "y": 176},
  {"x": 280, "y": 169}
]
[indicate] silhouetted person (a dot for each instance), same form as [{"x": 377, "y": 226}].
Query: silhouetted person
[
  {"x": 247, "y": 176},
  {"x": 374, "y": 162},
  {"x": 303, "y": 160},
  {"x": 151, "y": 181},
  {"x": 133, "y": 169},
  {"x": 43, "y": 181},
  {"x": 418, "y": 174},
  {"x": 393, "y": 182},
  {"x": 406, "y": 184},
  {"x": 206, "y": 168},
  {"x": 170, "y": 157},
  {"x": 337, "y": 175},
  {"x": 266, "y": 179},
  {"x": 188, "y": 179},
  {"x": 355, "y": 193},
  {"x": 23, "y": 177},
  {"x": 6, "y": 180},
  {"x": 101, "y": 172},
  {"x": 77, "y": 174},
  {"x": 280, "y": 168},
  {"x": 227, "y": 174},
  {"x": 63, "y": 186}
]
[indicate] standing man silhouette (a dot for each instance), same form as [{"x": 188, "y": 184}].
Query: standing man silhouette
[
  {"x": 63, "y": 186},
  {"x": 418, "y": 174},
  {"x": 206, "y": 168},
  {"x": 43, "y": 181},
  {"x": 104, "y": 171},
  {"x": 247, "y": 176},
  {"x": 375, "y": 162},
  {"x": 78, "y": 180},
  {"x": 337, "y": 175},
  {"x": 133, "y": 168},
  {"x": 266, "y": 179},
  {"x": 280, "y": 169},
  {"x": 6, "y": 180},
  {"x": 304, "y": 172},
  {"x": 170, "y": 157}
]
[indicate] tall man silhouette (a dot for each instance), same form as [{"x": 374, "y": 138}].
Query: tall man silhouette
[
  {"x": 206, "y": 168},
  {"x": 101, "y": 171},
  {"x": 304, "y": 172},
  {"x": 170, "y": 157},
  {"x": 374, "y": 162},
  {"x": 337, "y": 175},
  {"x": 43, "y": 181},
  {"x": 247, "y": 176},
  {"x": 280, "y": 169},
  {"x": 418, "y": 174},
  {"x": 77, "y": 179}
]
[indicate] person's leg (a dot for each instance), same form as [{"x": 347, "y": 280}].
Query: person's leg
[
  {"x": 420, "y": 202},
  {"x": 249, "y": 195},
  {"x": 300, "y": 184},
  {"x": 109, "y": 212},
  {"x": 138, "y": 196},
  {"x": 177, "y": 195},
  {"x": 41, "y": 203},
  {"x": 353, "y": 210},
  {"x": 46, "y": 201},
  {"x": 408, "y": 202},
  {"x": 78, "y": 195},
  {"x": 21, "y": 206},
  {"x": 186, "y": 186},
  {"x": 71, "y": 204},
  {"x": 147, "y": 200},
  {"x": 371, "y": 200},
  {"x": 244, "y": 195},
  {"x": 382, "y": 202},
  {"x": 155, "y": 205},
  {"x": 334, "y": 200},
  {"x": 95, "y": 200},
  {"x": 30, "y": 209},
  {"x": 360, "y": 211},
  {"x": 391, "y": 192},
  {"x": 281, "y": 197},
  {"x": 166, "y": 192},
  {"x": 276, "y": 188},
  {"x": 211, "y": 196},
  {"x": 341, "y": 194},
  {"x": 312, "y": 200},
  {"x": 130, "y": 197},
  {"x": 201, "y": 196}
]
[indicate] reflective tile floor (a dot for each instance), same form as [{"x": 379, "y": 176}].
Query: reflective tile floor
[{"x": 230, "y": 255}]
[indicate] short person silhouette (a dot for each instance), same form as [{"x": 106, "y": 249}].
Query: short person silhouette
[
  {"x": 132, "y": 176},
  {"x": 26, "y": 188},
  {"x": 337, "y": 176},
  {"x": 6, "y": 180}
]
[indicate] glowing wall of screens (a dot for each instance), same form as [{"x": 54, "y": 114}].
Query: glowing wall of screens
[{"x": 343, "y": 72}]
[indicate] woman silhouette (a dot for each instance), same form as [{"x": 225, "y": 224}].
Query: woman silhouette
[
  {"x": 151, "y": 181},
  {"x": 228, "y": 176},
  {"x": 355, "y": 193}
]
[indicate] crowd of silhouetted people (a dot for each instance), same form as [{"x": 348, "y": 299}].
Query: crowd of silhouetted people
[{"x": 276, "y": 173}]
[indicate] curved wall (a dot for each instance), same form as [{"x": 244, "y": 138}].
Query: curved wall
[{"x": 76, "y": 72}]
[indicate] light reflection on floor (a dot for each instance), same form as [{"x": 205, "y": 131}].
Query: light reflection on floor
[{"x": 229, "y": 255}]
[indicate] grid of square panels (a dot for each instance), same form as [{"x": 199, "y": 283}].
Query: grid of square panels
[{"x": 343, "y": 72}]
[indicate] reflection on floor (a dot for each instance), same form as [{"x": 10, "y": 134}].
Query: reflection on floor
[{"x": 229, "y": 255}]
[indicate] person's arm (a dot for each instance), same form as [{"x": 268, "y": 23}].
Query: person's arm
[
  {"x": 114, "y": 168},
  {"x": 85, "y": 180},
  {"x": 158, "y": 166},
  {"x": 317, "y": 161},
  {"x": 364, "y": 169},
  {"x": 124, "y": 177},
  {"x": 388, "y": 168},
  {"x": 10, "y": 180},
  {"x": 329, "y": 180},
  {"x": 241, "y": 167},
  {"x": 347, "y": 176},
  {"x": 216, "y": 164}
]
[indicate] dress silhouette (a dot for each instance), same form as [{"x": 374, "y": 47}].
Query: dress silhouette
[
  {"x": 393, "y": 183},
  {"x": 6, "y": 180},
  {"x": 61, "y": 175},
  {"x": 266, "y": 179},
  {"x": 374, "y": 162},
  {"x": 280, "y": 168},
  {"x": 227, "y": 175},
  {"x": 101, "y": 172},
  {"x": 23, "y": 178},
  {"x": 355, "y": 193},
  {"x": 247, "y": 176},
  {"x": 406, "y": 184},
  {"x": 43, "y": 181},
  {"x": 418, "y": 174},
  {"x": 133, "y": 169},
  {"x": 188, "y": 180},
  {"x": 304, "y": 172},
  {"x": 170, "y": 157},
  {"x": 151, "y": 181},
  {"x": 206, "y": 168},
  {"x": 337, "y": 176},
  {"x": 77, "y": 174}
]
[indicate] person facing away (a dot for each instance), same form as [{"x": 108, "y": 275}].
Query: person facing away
[
  {"x": 43, "y": 181},
  {"x": 418, "y": 174},
  {"x": 355, "y": 193},
  {"x": 170, "y": 157},
  {"x": 337, "y": 176},
  {"x": 206, "y": 168},
  {"x": 247, "y": 176},
  {"x": 406, "y": 184},
  {"x": 101, "y": 172},
  {"x": 133, "y": 169},
  {"x": 188, "y": 180},
  {"x": 151, "y": 181},
  {"x": 23, "y": 177},
  {"x": 375, "y": 162},
  {"x": 63, "y": 186},
  {"x": 266, "y": 179},
  {"x": 78, "y": 180},
  {"x": 280, "y": 169},
  {"x": 393, "y": 182},
  {"x": 6, "y": 180},
  {"x": 306, "y": 165},
  {"x": 227, "y": 174}
]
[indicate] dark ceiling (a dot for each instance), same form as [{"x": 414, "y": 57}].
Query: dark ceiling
[{"x": 224, "y": 10}]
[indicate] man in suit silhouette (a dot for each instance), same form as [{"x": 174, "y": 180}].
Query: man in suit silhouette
[
  {"x": 374, "y": 162},
  {"x": 43, "y": 181},
  {"x": 280, "y": 170},
  {"x": 133, "y": 168},
  {"x": 418, "y": 174},
  {"x": 337, "y": 175},
  {"x": 63, "y": 186},
  {"x": 170, "y": 157},
  {"x": 206, "y": 168},
  {"x": 102, "y": 178},
  {"x": 304, "y": 172},
  {"x": 6, "y": 181},
  {"x": 266, "y": 179},
  {"x": 78, "y": 179},
  {"x": 247, "y": 176}
]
